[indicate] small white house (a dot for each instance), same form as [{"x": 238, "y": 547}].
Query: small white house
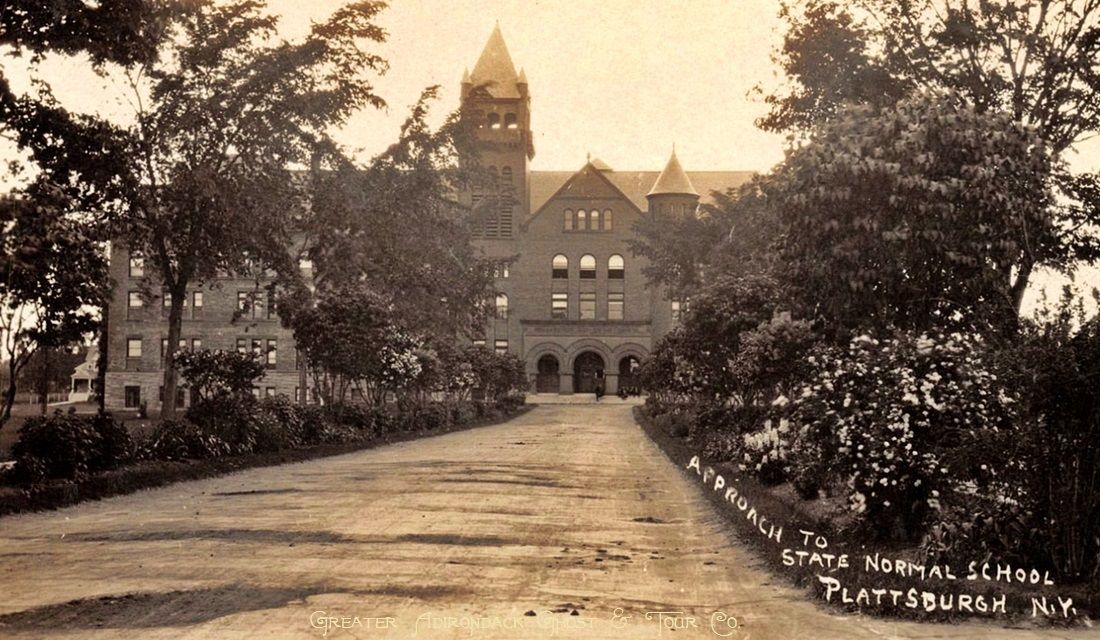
[{"x": 83, "y": 378}]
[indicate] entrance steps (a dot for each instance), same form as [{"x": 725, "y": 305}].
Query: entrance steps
[{"x": 581, "y": 398}]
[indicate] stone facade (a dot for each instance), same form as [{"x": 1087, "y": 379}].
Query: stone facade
[
  {"x": 551, "y": 214},
  {"x": 210, "y": 321},
  {"x": 589, "y": 341}
]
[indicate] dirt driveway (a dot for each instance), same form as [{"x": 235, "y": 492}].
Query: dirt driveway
[{"x": 565, "y": 522}]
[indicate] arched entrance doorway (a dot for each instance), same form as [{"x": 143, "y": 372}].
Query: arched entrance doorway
[
  {"x": 548, "y": 380},
  {"x": 587, "y": 372},
  {"x": 628, "y": 371}
]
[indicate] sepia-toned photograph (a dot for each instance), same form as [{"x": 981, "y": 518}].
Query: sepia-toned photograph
[{"x": 515, "y": 319}]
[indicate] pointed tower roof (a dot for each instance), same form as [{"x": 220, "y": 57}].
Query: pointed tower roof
[
  {"x": 673, "y": 179},
  {"x": 495, "y": 69}
]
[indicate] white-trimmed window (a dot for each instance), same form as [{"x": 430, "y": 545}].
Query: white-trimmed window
[
  {"x": 501, "y": 346},
  {"x": 588, "y": 267},
  {"x": 502, "y": 306},
  {"x": 588, "y": 305},
  {"x": 133, "y": 347},
  {"x": 559, "y": 267},
  {"x": 137, "y": 266},
  {"x": 615, "y": 267},
  {"x": 615, "y": 306},
  {"x": 559, "y": 306}
]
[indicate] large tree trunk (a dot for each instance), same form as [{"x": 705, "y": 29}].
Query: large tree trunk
[
  {"x": 101, "y": 361},
  {"x": 1019, "y": 287},
  {"x": 171, "y": 377},
  {"x": 303, "y": 391},
  {"x": 44, "y": 382}
]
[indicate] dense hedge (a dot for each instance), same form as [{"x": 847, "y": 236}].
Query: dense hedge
[{"x": 73, "y": 448}]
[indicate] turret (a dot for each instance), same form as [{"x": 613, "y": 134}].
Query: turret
[
  {"x": 673, "y": 193},
  {"x": 497, "y": 98}
]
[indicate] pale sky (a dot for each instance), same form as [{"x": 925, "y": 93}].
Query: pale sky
[{"x": 623, "y": 80}]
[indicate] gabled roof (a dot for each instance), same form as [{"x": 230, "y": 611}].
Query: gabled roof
[
  {"x": 590, "y": 182},
  {"x": 673, "y": 180},
  {"x": 495, "y": 69},
  {"x": 634, "y": 184}
]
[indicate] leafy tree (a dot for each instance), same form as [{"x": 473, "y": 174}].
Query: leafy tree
[
  {"x": 54, "y": 276},
  {"x": 229, "y": 111},
  {"x": 395, "y": 225},
  {"x": 733, "y": 234},
  {"x": 215, "y": 372},
  {"x": 1036, "y": 60},
  {"x": 915, "y": 216}
]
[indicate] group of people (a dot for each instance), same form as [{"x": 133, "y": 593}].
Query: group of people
[{"x": 624, "y": 390}]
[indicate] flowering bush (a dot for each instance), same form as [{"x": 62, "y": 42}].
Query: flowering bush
[{"x": 893, "y": 420}]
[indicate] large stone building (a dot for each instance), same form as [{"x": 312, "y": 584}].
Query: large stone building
[{"x": 574, "y": 304}]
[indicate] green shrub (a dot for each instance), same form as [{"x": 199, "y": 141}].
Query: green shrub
[
  {"x": 182, "y": 440},
  {"x": 230, "y": 417},
  {"x": 69, "y": 446}
]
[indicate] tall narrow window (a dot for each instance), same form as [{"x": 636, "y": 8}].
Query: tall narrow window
[
  {"x": 615, "y": 306},
  {"x": 560, "y": 267},
  {"x": 588, "y": 305},
  {"x": 133, "y": 347},
  {"x": 675, "y": 310},
  {"x": 594, "y": 223},
  {"x": 196, "y": 298},
  {"x": 567, "y": 221},
  {"x": 559, "y": 306},
  {"x": 272, "y": 353},
  {"x": 615, "y": 267},
  {"x": 607, "y": 219},
  {"x": 588, "y": 267},
  {"x": 502, "y": 306},
  {"x": 582, "y": 220},
  {"x": 137, "y": 266},
  {"x": 501, "y": 346}
]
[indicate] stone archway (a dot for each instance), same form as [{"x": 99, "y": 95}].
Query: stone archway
[
  {"x": 548, "y": 379},
  {"x": 588, "y": 372}
]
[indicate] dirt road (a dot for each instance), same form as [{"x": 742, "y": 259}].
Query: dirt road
[{"x": 565, "y": 522}]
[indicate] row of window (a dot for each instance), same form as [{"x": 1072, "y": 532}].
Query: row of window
[
  {"x": 266, "y": 348},
  {"x": 500, "y": 346},
  {"x": 559, "y": 267},
  {"x": 131, "y": 395},
  {"x": 250, "y": 304},
  {"x": 559, "y": 306},
  {"x": 582, "y": 220},
  {"x": 508, "y": 122}
]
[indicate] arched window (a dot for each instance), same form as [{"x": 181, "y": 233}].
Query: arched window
[
  {"x": 582, "y": 220},
  {"x": 510, "y": 121},
  {"x": 615, "y": 267},
  {"x": 595, "y": 223},
  {"x": 607, "y": 219},
  {"x": 588, "y": 267},
  {"x": 494, "y": 120},
  {"x": 502, "y": 305},
  {"x": 560, "y": 267},
  {"x": 506, "y": 175},
  {"x": 568, "y": 220}
]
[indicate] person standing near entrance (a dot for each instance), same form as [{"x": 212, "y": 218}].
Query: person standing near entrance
[{"x": 599, "y": 384}]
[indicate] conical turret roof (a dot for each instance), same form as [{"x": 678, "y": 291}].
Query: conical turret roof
[
  {"x": 495, "y": 69},
  {"x": 673, "y": 180}
]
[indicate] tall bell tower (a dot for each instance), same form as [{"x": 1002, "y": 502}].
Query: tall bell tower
[{"x": 497, "y": 99}]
